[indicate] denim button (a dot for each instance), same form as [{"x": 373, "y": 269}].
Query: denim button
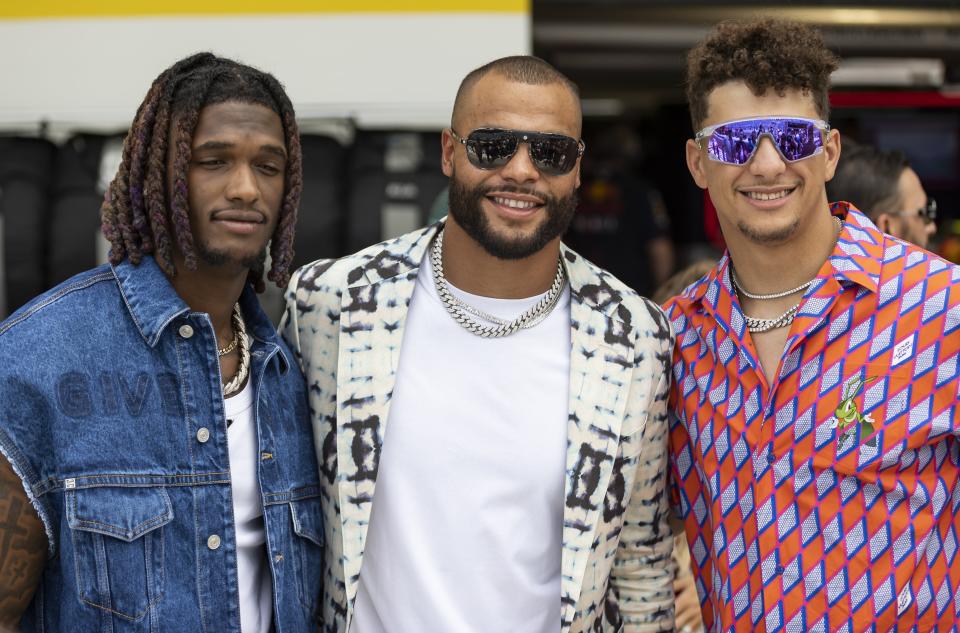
[
  {"x": 203, "y": 434},
  {"x": 213, "y": 541},
  {"x": 186, "y": 331}
]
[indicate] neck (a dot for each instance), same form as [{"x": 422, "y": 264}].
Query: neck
[
  {"x": 470, "y": 268},
  {"x": 212, "y": 290},
  {"x": 772, "y": 268}
]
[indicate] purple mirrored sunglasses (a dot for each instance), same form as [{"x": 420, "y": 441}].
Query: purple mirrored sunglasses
[{"x": 735, "y": 142}]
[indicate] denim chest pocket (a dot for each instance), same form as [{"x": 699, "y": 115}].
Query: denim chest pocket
[
  {"x": 307, "y": 518},
  {"x": 118, "y": 547}
]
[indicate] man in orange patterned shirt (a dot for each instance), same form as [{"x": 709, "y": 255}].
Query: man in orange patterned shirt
[{"x": 815, "y": 442}]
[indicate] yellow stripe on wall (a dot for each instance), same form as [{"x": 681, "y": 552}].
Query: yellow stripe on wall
[{"x": 12, "y": 9}]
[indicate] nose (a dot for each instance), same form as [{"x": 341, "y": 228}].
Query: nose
[
  {"x": 242, "y": 185},
  {"x": 520, "y": 169},
  {"x": 767, "y": 161}
]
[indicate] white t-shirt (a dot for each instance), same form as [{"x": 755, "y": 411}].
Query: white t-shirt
[
  {"x": 253, "y": 575},
  {"x": 465, "y": 531}
]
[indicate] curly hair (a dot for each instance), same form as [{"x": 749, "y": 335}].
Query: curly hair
[
  {"x": 766, "y": 54},
  {"x": 140, "y": 216}
]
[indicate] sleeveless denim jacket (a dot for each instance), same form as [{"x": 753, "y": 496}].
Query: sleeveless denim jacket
[{"x": 111, "y": 413}]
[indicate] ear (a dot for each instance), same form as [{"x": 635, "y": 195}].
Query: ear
[
  {"x": 576, "y": 170},
  {"x": 831, "y": 152},
  {"x": 447, "y": 146},
  {"x": 888, "y": 224},
  {"x": 695, "y": 160}
]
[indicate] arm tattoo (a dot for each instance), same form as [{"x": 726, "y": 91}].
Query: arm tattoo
[{"x": 23, "y": 548}]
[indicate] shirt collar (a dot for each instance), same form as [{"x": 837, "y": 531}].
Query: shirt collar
[
  {"x": 715, "y": 293},
  {"x": 149, "y": 297},
  {"x": 857, "y": 257},
  {"x": 153, "y": 303},
  {"x": 858, "y": 254}
]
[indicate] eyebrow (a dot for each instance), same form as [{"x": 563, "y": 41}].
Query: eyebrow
[{"x": 215, "y": 145}]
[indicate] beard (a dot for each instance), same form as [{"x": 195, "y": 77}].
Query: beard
[
  {"x": 466, "y": 208},
  {"x": 773, "y": 237},
  {"x": 216, "y": 257}
]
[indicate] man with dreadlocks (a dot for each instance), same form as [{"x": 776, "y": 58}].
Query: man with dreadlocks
[{"x": 159, "y": 471}]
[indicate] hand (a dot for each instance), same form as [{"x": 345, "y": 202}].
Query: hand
[{"x": 687, "y": 605}]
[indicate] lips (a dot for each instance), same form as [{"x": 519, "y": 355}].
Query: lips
[
  {"x": 239, "y": 222},
  {"x": 764, "y": 196},
  {"x": 515, "y": 205},
  {"x": 239, "y": 215},
  {"x": 768, "y": 197}
]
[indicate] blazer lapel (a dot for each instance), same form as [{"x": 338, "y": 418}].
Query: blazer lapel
[
  {"x": 601, "y": 364},
  {"x": 373, "y": 313}
]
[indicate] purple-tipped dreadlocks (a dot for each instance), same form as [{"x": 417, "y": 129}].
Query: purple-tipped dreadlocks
[{"x": 139, "y": 214}]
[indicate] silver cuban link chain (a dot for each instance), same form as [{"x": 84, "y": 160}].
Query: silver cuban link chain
[
  {"x": 463, "y": 313},
  {"x": 756, "y": 325},
  {"x": 763, "y": 325}
]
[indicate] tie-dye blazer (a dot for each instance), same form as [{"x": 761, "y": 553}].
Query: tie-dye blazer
[{"x": 345, "y": 320}]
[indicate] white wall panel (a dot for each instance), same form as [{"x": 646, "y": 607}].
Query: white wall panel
[{"x": 397, "y": 69}]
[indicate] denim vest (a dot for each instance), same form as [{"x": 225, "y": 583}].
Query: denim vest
[{"x": 111, "y": 412}]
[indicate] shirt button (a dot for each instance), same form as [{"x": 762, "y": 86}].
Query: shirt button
[
  {"x": 779, "y": 570},
  {"x": 213, "y": 541},
  {"x": 186, "y": 331},
  {"x": 203, "y": 434},
  {"x": 771, "y": 457}
]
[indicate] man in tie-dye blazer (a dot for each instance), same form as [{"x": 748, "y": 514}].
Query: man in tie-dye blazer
[{"x": 520, "y": 487}]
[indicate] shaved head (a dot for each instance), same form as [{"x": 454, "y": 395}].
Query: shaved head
[{"x": 524, "y": 69}]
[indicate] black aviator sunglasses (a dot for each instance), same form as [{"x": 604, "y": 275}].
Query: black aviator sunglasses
[{"x": 492, "y": 148}]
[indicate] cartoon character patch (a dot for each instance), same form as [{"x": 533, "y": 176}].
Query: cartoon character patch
[{"x": 848, "y": 416}]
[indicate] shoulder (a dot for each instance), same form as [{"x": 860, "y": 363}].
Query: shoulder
[
  {"x": 374, "y": 263},
  {"x": 895, "y": 264},
  {"x": 685, "y": 304},
  {"x": 606, "y": 292},
  {"x": 915, "y": 276},
  {"x": 909, "y": 255},
  {"x": 73, "y": 300}
]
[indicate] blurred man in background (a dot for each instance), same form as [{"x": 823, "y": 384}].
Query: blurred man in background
[
  {"x": 159, "y": 472},
  {"x": 882, "y": 184}
]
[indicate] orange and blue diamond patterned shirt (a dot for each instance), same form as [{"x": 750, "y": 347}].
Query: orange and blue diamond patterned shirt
[{"x": 829, "y": 500}]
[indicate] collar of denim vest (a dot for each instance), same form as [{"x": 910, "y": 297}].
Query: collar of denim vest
[{"x": 154, "y": 304}]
